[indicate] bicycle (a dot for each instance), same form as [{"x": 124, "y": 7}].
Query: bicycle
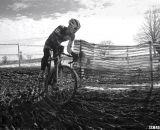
[{"x": 62, "y": 77}]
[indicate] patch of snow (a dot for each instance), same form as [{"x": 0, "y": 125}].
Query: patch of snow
[{"x": 94, "y": 88}]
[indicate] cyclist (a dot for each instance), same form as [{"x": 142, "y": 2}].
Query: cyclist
[{"x": 59, "y": 35}]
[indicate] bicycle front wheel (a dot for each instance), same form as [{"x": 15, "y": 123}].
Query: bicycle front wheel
[
  {"x": 39, "y": 90},
  {"x": 67, "y": 84}
]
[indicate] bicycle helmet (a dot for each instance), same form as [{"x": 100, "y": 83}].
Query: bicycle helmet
[{"x": 74, "y": 23}]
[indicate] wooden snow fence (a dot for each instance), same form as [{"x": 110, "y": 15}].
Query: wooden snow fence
[{"x": 119, "y": 64}]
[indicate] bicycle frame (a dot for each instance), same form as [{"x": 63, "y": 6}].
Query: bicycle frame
[{"x": 57, "y": 63}]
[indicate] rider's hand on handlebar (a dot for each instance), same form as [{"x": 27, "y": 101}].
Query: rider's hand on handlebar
[
  {"x": 77, "y": 56},
  {"x": 60, "y": 49}
]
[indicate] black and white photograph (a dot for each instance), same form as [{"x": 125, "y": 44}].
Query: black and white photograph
[{"x": 79, "y": 64}]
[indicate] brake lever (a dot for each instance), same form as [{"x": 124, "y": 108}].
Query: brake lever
[
  {"x": 71, "y": 62},
  {"x": 74, "y": 60}
]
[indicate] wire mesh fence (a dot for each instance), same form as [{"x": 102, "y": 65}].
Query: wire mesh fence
[{"x": 20, "y": 55}]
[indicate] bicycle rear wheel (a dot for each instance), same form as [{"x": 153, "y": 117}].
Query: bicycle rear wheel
[{"x": 67, "y": 84}]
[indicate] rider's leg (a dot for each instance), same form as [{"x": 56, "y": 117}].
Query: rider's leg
[
  {"x": 44, "y": 61},
  {"x": 57, "y": 50},
  {"x": 53, "y": 80}
]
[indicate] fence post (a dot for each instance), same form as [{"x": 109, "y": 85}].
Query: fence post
[
  {"x": 127, "y": 57},
  {"x": 151, "y": 65},
  {"x": 151, "y": 75},
  {"x": 19, "y": 56},
  {"x": 80, "y": 49}
]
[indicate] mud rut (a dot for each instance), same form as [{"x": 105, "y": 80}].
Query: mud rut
[{"x": 93, "y": 110}]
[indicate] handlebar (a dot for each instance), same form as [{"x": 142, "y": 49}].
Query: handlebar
[
  {"x": 65, "y": 55},
  {"x": 68, "y": 56}
]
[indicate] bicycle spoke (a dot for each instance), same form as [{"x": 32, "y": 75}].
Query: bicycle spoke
[{"x": 66, "y": 84}]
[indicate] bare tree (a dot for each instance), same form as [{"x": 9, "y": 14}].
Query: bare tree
[
  {"x": 29, "y": 57},
  {"x": 150, "y": 30},
  {"x": 4, "y": 60},
  {"x": 106, "y": 50}
]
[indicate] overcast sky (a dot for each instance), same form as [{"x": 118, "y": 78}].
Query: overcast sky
[{"x": 115, "y": 20}]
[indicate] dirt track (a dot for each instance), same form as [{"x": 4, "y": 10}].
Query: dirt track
[{"x": 90, "y": 109}]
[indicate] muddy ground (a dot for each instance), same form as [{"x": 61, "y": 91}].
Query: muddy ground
[{"x": 89, "y": 110}]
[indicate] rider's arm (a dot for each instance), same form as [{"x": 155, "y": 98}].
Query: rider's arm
[
  {"x": 69, "y": 46},
  {"x": 70, "y": 42},
  {"x": 69, "y": 50}
]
